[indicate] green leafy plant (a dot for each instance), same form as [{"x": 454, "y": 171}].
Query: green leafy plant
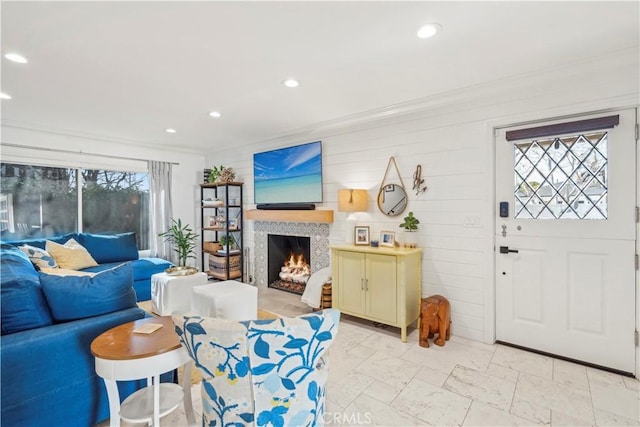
[
  {"x": 227, "y": 241},
  {"x": 410, "y": 222},
  {"x": 183, "y": 238},
  {"x": 215, "y": 173}
]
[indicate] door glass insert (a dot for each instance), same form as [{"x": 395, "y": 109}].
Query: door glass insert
[{"x": 561, "y": 178}]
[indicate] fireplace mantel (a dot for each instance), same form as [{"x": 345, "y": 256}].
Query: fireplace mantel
[{"x": 321, "y": 216}]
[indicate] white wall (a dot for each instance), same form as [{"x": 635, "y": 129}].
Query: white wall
[
  {"x": 451, "y": 136},
  {"x": 186, "y": 175}
]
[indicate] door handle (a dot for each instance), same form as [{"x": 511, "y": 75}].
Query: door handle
[{"x": 506, "y": 250}]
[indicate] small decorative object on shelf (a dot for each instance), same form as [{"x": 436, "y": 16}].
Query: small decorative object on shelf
[
  {"x": 361, "y": 235},
  {"x": 227, "y": 242},
  {"x": 221, "y": 174},
  {"x": 227, "y": 175},
  {"x": 387, "y": 238},
  {"x": 214, "y": 173},
  {"x": 211, "y": 246},
  {"x": 210, "y": 203}
]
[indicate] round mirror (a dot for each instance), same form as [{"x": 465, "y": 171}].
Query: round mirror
[{"x": 392, "y": 200}]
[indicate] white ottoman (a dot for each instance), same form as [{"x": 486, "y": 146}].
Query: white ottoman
[
  {"x": 172, "y": 294},
  {"x": 230, "y": 300}
]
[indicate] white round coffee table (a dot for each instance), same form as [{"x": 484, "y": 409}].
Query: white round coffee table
[{"x": 122, "y": 354}]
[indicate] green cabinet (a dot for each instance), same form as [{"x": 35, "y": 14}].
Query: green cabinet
[{"x": 378, "y": 284}]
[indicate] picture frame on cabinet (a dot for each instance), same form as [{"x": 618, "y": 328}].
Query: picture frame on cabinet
[
  {"x": 233, "y": 223},
  {"x": 387, "y": 238},
  {"x": 361, "y": 235}
]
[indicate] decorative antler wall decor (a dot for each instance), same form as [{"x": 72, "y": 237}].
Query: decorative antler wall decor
[{"x": 418, "y": 181}]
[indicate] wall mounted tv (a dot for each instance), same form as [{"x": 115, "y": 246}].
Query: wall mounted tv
[{"x": 288, "y": 175}]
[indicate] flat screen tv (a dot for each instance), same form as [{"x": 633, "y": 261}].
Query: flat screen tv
[{"x": 288, "y": 175}]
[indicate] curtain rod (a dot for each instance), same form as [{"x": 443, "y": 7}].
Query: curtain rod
[{"x": 57, "y": 150}]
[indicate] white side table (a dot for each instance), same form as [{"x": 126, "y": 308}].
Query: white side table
[
  {"x": 124, "y": 355},
  {"x": 172, "y": 294}
]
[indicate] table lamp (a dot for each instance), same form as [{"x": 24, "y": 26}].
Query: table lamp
[{"x": 352, "y": 201}]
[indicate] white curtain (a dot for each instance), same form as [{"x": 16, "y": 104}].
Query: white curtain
[{"x": 160, "y": 208}]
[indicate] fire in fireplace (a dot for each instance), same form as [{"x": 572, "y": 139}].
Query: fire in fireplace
[{"x": 288, "y": 261}]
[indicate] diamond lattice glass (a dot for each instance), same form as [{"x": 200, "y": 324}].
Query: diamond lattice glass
[{"x": 561, "y": 178}]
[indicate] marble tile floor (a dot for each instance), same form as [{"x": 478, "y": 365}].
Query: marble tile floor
[{"x": 376, "y": 380}]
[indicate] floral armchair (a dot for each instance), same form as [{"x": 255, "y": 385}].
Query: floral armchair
[{"x": 261, "y": 372}]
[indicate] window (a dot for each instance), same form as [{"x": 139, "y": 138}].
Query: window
[
  {"x": 40, "y": 201},
  {"x": 562, "y": 178}
]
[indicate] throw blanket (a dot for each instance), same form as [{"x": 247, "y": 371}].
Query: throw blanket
[
  {"x": 262, "y": 372},
  {"x": 313, "y": 290}
]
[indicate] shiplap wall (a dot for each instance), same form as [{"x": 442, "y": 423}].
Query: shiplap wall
[{"x": 451, "y": 137}]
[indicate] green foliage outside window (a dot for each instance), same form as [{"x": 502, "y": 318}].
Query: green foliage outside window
[{"x": 42, "y": 201}]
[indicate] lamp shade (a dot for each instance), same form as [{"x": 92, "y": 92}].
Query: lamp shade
[{"x": 352, "y": 200}]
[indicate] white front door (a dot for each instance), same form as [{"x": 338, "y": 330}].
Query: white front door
[{"x": 565, "y": 250}]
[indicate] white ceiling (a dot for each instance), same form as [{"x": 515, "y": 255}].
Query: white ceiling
[{"x": 128, "y": 70}]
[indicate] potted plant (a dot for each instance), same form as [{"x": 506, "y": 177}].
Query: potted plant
[
  {"x": 410, "y": 226},
  {"x": 184, "y": 240},
  {"x": 214, "y": 173},
  {"x": 221, "y": 174},
  {"x": 227, "y": 242}
]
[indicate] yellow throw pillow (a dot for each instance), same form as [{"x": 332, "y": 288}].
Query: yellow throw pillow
[{"x": 71, "y": 256}]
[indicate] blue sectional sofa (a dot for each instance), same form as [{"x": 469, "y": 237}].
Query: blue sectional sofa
[
  {"x": 109, "y": 251},
  {"x": 48, "y": 323}
]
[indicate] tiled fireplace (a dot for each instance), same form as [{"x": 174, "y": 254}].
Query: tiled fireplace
[
  {"x": 294, "y": 234},
  {"x": 288, "y": 267}
]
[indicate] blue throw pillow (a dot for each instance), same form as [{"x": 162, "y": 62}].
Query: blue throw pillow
[
  {"x": 23, "y": 303},
  {"x": 39, "y": 257},
  {"x": 77, "y": 297},
  {"x": 110, "y": 247}
]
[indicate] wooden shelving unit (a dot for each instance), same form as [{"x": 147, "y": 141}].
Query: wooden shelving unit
[{"x": 222, "y": 266}]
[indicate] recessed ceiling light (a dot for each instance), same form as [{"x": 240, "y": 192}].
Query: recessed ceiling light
[
  {"x": 215, "y": 114},
  {"x": 16, "y": 57},
  {"x": 291, "y": 83},
  {"x": 169, "y": 130},
  {"x": 4, "y": 96},
  {"x": 428, "y": 30}
]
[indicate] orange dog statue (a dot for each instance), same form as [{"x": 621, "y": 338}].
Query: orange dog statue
[{"x": 435, "y": 317}]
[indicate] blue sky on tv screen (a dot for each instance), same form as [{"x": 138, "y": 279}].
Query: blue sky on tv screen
[{"x": 290, "y": 162}]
